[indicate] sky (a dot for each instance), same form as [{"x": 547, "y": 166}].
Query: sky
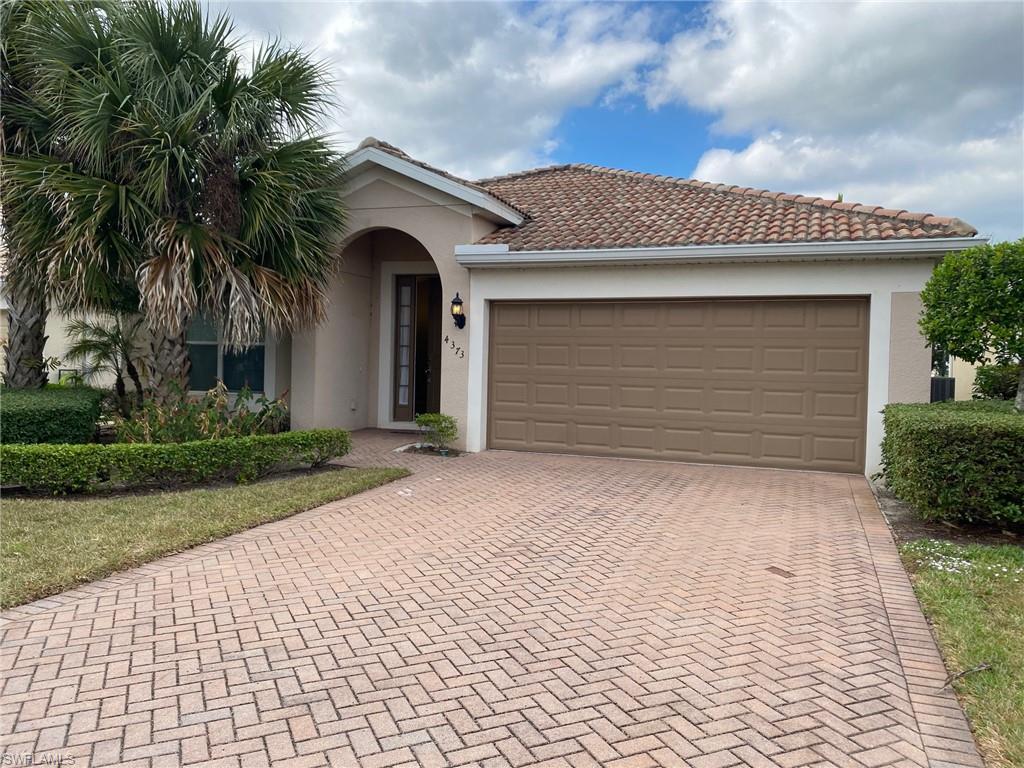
[{"x": 913, "y": 105}]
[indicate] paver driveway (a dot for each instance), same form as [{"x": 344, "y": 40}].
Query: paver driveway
[{"x": 504, "y": 609}]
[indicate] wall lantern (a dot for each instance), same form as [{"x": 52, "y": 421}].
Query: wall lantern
[{"x": 457, "y": 314}]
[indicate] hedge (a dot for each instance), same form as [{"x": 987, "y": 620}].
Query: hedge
[
  {"x": 998, "y": 382},
  {"x": 54, "y": 414},
  {"x": 957, "y": 460},
  {"x": 71, "y": 468}
]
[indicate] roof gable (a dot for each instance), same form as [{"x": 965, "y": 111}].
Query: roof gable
[{"x": 374, "y": 152}]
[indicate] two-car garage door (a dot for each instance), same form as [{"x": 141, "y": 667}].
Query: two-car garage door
[{"x": 775, "y": 383}]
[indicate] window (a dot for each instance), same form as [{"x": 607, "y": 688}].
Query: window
[{"x": 212, "y": 362}]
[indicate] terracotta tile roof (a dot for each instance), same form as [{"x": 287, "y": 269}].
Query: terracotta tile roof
[
  {"x": 580, "y": 206},
  {"x": 586, "y": 206}
]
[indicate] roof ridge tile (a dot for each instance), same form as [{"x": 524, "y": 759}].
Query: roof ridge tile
[{"x": 960, "y": 226}]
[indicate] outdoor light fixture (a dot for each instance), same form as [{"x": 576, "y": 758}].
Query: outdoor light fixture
[{"x": 457, "y": 314}]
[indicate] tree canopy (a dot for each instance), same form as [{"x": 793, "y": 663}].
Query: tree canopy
[
  {"x": 170, "y": 172},
  {"x": 974, "y": 305}
]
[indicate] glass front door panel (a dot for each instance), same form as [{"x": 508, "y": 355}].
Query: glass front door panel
[
  {"x": 403, "y": 394},
  {"x": 417, "y": 360}
]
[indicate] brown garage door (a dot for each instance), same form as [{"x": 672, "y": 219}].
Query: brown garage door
[{"x": 775, "y": 383}]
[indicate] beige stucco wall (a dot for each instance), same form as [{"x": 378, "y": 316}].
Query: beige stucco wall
[
  {"x": 387, "y": 245},
  {"x": 964, "y": 374},
  {"x": 910, "y": 357},
  {"x": 335, "y": 372}
]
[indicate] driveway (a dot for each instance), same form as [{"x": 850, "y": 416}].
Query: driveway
[{"x": 504, "y": 609}]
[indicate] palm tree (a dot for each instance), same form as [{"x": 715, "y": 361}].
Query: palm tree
[
  {"x": 109, "y": 346},
  {"x": 180, "y": 175},
  {"x": 24, "y": 130}
]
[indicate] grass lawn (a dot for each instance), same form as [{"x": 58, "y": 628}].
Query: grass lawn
[
  {"x": 49, "y": 545},
  {"x": 974, "y": 596}
]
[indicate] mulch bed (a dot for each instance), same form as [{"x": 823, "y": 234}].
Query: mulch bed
[
  {"x": 433, "y": 451},
  {"x": 908, "y": 526}
]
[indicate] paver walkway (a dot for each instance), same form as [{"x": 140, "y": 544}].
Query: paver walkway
[{"x": 504, "y": 609}]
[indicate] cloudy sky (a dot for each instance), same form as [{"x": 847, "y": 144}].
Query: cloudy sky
[{"x": 916, "y": 105}]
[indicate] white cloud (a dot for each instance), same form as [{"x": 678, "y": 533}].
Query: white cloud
[
  {"x": 903, "y": 104},
  {"x": 476, "y": 88},
  {"x": 848, "y": 67},
  {"x": 980, "y": 180},
  {"x": 914, "y": 105}
]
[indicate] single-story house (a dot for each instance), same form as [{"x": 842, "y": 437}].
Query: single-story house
[
  {"x": 609, "y": 312},
  {"x": 585, "y": 310}
]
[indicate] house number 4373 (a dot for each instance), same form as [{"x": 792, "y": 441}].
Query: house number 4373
[{"x": 459, "y": 351}]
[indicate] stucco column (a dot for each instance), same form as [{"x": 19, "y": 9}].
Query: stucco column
[
  {"x": 910, "y": 357},
  {"x": 455, "y": 355}
]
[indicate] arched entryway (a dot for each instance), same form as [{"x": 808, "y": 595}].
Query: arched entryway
[{"x": 406, "y": 308}]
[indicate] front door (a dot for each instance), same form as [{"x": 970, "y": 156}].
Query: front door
[{"x": 417, "y": 374}]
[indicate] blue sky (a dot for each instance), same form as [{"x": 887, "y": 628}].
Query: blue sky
[{"x": 915, "y": 105}]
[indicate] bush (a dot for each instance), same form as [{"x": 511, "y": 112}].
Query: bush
[
  {"x": 996, "y": 382},
  {"x": 440, "y": 430},
  {"x": 957, "y": 461},
  {"x": 68, "y": 468},
  {"x": 213, "y": 415},
  {"x": 55, "y": 414}
]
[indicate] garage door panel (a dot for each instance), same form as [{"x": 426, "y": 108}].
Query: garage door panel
[
  {"x": 786, "y": 316},
  {"x": 683, "y": 400},
  {"x": 553, "y": 317},
  {"x": 512, "y": 355},
  {"x": 595, "y": 437},
  {"x": 838, "y": 361},
  {"x": 601, "y": 316},
  {"x": 683, "y": 442},
  {"x": 844, "y": 315},
  {"x": 781, "y": 447},
  {"x": 551, "y": 433},
  {"x": 759, "y": 382},
  {"x": 784, "y": 403},
  {"x": 511, "y": 393}
]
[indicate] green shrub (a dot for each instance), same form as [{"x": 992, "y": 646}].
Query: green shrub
[
  {"x": 215, "y": 414},
  {"x": 69, "y": 468},
  {"x": 957, "y": 460},
  {"x": 439, "y": 429},
  {"x": 996, "y": 382},
  {"x": 55, "y": 414}
]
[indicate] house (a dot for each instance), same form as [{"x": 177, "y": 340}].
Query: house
[
  {"x": 616, "y": 313},
  {"x": 609, "y": 312}
]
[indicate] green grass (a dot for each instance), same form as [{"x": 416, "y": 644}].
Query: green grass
[
  {"x": 974, "y": 596},
  {"x": 49, "y": 545}
]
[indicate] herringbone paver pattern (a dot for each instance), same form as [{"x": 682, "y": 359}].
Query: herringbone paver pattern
[{"x": 504, "y": 610}]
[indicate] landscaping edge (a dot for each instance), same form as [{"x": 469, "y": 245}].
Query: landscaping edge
[
  {"x": 940, "y": 717},
  {"x": 118, "y": 580}
]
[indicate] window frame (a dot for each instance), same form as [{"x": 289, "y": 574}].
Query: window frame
[{"x": 221, "y": 351}]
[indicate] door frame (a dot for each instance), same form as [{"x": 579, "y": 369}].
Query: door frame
[{"x": 389, "y": 270}]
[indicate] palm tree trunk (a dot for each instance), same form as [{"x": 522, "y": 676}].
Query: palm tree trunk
[
  {"x": 168, "y": 365},
  {"x": 133, "y": 374},
  {"x": 122, "y": 395},
  {"x": 26, "y": 338}
]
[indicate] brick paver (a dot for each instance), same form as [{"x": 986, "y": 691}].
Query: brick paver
[{"x": 504, "y": 609}]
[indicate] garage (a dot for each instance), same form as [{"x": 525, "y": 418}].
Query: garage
[{"x": 755, "y": 382}]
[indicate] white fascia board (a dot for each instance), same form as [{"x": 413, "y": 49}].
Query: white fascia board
[
  {"x": 435, "y": 180},
  {"x": 489, "y": 255}
]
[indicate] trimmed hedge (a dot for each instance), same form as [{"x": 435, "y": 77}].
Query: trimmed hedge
[
  {"x": 70, "y": 468},
  {"x": 998, "y": 382},
  {"x": 957, "y": 460},
  {"x": 51, "y": 415}
]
